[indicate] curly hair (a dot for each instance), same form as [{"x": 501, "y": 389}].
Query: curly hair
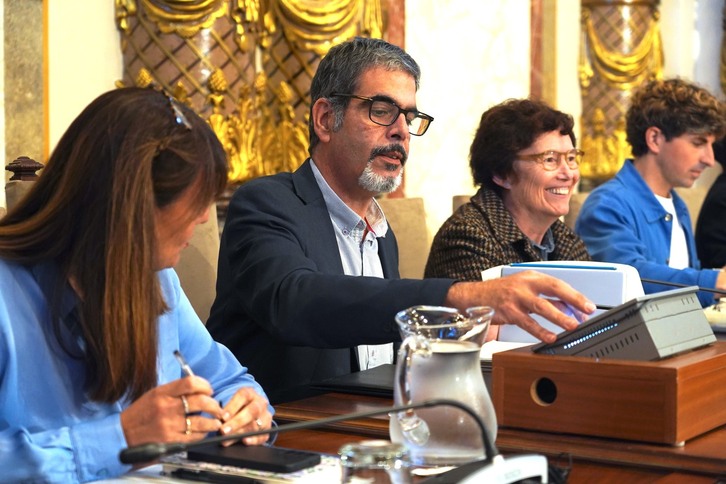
[
  {"x": 676, "y": 107},
  {"x": 508, "y": 128}
]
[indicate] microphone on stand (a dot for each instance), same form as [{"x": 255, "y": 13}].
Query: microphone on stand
[
  {"x": 493, "y": 464},
  {"x": 153, "y": 451},
  {"x": 678, "y": 284}
]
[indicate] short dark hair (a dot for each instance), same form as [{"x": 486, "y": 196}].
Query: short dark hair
[
  {"x": 508, "y": 128},
  {"x": 675, "y": 107},
  {"x": 342, "y": 67}
]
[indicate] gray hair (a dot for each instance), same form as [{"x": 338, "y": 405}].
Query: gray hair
[{"x": 342, "y": 67}]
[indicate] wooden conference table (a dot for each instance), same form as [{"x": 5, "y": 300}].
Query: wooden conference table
[{"x": 594, "y": 460}]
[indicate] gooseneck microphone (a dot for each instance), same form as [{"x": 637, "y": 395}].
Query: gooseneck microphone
[
  {"x": 153, "y": 451},
  {"x": 678, "y": 284}
]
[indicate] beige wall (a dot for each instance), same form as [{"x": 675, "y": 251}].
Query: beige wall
[
  {"x": 84, "y": 58},
  {"x": 473, "y": 55},
  {"x": 692, "y": 33},
  {"x": 471, "y": 58},
  {"x": 464, "y": 71}
]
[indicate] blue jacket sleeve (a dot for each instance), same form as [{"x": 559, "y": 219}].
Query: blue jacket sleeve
[
  {"x": 621, "y": 230},
  {"x": 207, "y": 358}
]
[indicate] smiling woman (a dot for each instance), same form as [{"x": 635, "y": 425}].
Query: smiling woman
[{"x": 525, "y": 162}]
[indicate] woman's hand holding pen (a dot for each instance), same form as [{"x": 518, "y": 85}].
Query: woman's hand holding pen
[
  {"x": 161, "y": 415},
  {"x": 246, "y": 411},
  {"x": 184, "y": 411}
]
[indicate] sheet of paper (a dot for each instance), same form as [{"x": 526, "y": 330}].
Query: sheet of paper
[{"x": 491, "y": 347}]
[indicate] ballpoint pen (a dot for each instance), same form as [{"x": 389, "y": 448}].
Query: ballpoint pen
[{"x": 186, "y": 369}]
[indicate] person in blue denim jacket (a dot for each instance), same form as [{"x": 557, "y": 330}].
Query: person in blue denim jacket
[{"x": 637, "y": 218}]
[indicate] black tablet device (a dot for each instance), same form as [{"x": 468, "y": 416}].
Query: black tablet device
[
  {"x": 259, "y": 457},
  {"x": 377, "y": 381}
]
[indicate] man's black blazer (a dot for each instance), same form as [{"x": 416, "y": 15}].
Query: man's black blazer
[{"x": 283, "y": 305}]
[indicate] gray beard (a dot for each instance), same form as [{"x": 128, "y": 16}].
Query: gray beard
[{"x": 375, "y": 183}]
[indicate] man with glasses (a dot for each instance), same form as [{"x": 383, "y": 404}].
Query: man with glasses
[
  {"x": 308, "y": 282},
  {"x": 637, "y": 218}
]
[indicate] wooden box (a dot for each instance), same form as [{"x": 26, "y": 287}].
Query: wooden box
[{"x": 667, "y": 401}]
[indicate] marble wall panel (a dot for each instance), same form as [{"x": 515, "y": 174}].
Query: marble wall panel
[{"x": 23, "y": 79}]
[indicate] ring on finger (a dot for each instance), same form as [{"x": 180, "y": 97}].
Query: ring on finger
[
  {"x": 259, "y": 423},
  {"x": 185, "y": 404},
  {"x": 188, "y": 430}
]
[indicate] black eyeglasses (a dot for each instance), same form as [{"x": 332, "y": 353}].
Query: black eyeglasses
[
  {"x": 177, "y": 111},
  {"x": 385, "y": 112},
  {"x": 550, "y": 160}
]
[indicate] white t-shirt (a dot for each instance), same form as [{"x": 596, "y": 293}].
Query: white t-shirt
[{"x": 678, "y": 258}]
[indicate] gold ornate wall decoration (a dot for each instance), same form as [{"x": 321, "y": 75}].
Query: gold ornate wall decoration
[
  {"x": 620, "y": 49},
  {"x": 599, "y": 146},
  {"x": 317, "y": 26},
  {"x": 292, "y": 136},
  {"x": 293, "y": 35},
  {"x": 253, "y": 21},
  {"x": 184, "y": 17},
  {"x": 179, "y": 44},
  {"x": 124, "y": 10},
  {"x": 244, "y": 65}
]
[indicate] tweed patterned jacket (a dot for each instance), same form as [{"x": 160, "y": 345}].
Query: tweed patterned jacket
[{"x": 482, "y": 234}]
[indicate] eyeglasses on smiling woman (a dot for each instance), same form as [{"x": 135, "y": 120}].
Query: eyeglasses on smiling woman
[
  {"x": 550, "y": 160},
  {"x": 385, "y": 112}
]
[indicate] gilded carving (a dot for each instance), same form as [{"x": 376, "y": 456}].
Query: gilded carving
[
  {"x": 243, "y": 65},
  {"x": 621, "y": 48},
  {"x": 144, "y": 79},
  {"x": 315, "y": 26},
  {"x": 600, "y": 149},
  {"x": 621, "y": 71},
  {"x": 292, "y": 136},
  {"x": 253, "y": 17},
  {"x": 184, "y": 17},
  {"x": 124, "y": 10}
]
